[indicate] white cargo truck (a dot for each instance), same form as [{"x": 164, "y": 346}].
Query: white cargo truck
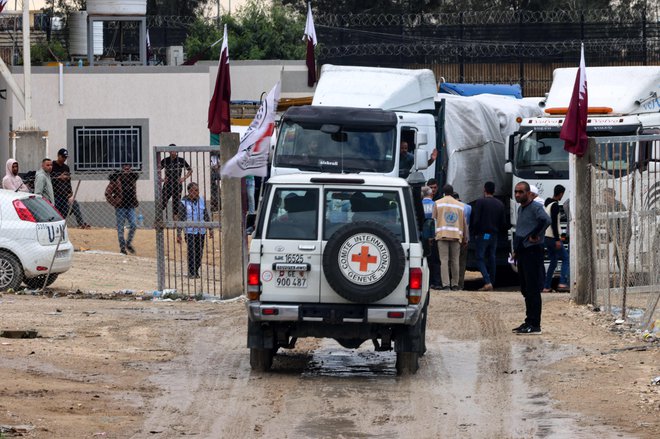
[
  {"x": 358, "y": 117},
  {"x": 623, "y": 104}
]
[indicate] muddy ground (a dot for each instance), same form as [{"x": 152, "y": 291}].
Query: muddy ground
[{"x": 160, "y": 369}]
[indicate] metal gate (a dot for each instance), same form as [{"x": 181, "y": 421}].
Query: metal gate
[
  {"x": 625, "y": 197},
  {"x": 188, "y": 235}
]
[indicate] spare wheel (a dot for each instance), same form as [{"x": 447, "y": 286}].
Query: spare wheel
[{"x": 363, "y": 261}]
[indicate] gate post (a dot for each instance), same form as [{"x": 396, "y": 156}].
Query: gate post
[
  {"x": 158, "y": 222},
  {"x": 583, "y": 276},
  {"x": 231, "y": 219}
]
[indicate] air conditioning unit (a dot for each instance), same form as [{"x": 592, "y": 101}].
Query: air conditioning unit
[{"x": 174, "y": 55}]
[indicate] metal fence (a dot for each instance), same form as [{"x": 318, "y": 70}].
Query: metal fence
[
  {"x": 491, "y": 46},
  {"x": 187, "y": 222},
  {"x": 625, "y": 194}
]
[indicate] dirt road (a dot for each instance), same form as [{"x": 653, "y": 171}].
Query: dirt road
[{"x": 145, "y": 369}]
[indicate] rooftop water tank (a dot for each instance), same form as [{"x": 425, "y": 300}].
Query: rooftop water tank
[
  {"x": 78, "y": 34},
  {"x": 117, "y": 7}
]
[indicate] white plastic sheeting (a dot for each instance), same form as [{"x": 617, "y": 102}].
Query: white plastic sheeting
[{"x": 476, "y": 135}]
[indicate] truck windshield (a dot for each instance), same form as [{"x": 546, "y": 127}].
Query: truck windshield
[
  {"x": 542, "y": 155},
  {"x": 343, "y": 149},
  {"x": 617, "y": 158}
]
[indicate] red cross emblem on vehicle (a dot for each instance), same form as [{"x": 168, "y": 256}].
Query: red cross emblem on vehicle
[{"x": 364, "y": 258}]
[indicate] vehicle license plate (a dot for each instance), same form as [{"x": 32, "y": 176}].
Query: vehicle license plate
[
  {"x": 61, "y": 254},
  {"x": 291, "y": 279}
]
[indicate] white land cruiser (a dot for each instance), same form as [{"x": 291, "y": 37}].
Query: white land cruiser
[{"x": 337, "y": 256}]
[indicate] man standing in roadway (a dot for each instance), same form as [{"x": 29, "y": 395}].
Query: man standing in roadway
[
  {"x": 450, "y": 233},
  {"x": 488, "y": 220},
  {"x": 528, "y": 252}
]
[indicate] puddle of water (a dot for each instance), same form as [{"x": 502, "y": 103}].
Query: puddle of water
[{"x": 346, "y": 363}]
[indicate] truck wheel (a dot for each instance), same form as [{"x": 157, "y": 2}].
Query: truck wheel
[
  {"x": 363, "y": 261},
  {"x": 35, "y": 283},
  {"x": 261, "y": 359},
  {"x": 11, "y": 272},
  {"x": 407, "y": 363}
]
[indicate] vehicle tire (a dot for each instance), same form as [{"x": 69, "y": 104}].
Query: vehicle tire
[
  {"x": 261, "y": 360},
  {"x": 407, "y": 363},
  {"x": 35, "y": 283},
  {"x": 383, "y": 267},
  {"x": 11, "y": 271},
  {"x": 423, "y": 328}
]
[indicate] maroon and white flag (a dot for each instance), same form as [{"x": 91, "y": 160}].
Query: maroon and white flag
[
  {"x": 3, "y": 3},
  {"x": 252, "y": 155},
  {"x": 149, "y": 52},
  {"x": 218, "y": 120},
  {"x": 310, "y": 35},
  {"x": 574, "y": 129}
]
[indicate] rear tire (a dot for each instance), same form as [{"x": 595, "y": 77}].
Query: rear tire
[
  {"x": 11, "y": 272},
  {"x": 35, "y": 283},
  {"x": 407, "y": 363},
  {"x": 261, "y": 360}
]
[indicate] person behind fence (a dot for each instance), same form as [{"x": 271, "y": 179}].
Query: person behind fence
[
  {"x": 12, "y": 181},
  {"x": 487, "y": 222},
  {"x": 528, "y": 254},
  {"x": 450, "y": 234},
  {"x": 618, "y": 227},
  {"x": 42, "y": 184},
  {"x": 553, "y": 243},
  {"x": 173, "y": 181},
  {"x": 193, "y": 207},
  {"x": 215, "y": 181},
  {"x": 61, "y": 178},
  {"x": 121, "y": 193}
]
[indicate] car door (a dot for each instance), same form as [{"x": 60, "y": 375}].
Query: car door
[{"x": 291, "y": 246}]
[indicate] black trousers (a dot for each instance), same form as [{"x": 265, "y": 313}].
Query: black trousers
[
  {"x": 532, "y": 275},
  {"x": 195, "y": 252},
  {"x": 172, "y": 191}
]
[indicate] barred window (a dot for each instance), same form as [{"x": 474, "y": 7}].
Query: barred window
[{"x": 106, "y": 148}]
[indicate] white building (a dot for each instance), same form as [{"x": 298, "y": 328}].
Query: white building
[{"x": 107, "y": 115}]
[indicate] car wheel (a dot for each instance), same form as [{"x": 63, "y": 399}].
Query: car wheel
[
  {"x": 261, "y": 359},
  {"x": 363, "y": 261},
  {"x": 35, "y": 283},
  {"x": 407, "y": 363},
  {"x": 11, "y": 271}
]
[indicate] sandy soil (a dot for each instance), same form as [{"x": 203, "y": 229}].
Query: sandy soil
[{"x": 161, "y": 369}]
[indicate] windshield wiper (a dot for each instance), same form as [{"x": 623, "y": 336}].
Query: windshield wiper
[{"x": 536, "y": 165}]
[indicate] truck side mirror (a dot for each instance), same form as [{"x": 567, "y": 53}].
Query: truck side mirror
[
  {"x": 421, "y": 159},
  {"x": 508, "y": 168}
]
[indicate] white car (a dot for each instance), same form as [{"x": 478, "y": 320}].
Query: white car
[{"x": 33, "y": 235}]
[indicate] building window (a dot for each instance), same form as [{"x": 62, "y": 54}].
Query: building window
[
  {"x": 98, "y": 147},
  {"x": 105, "y": 148}
]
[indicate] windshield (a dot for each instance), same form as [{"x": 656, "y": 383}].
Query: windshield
[
  {"x": 543, "y": 155},
  {"x": 335, "y": 149}
]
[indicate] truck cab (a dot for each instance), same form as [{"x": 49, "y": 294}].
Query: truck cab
[{"x": 358, "y": 118}]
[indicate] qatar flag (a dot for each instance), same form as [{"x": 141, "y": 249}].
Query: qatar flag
[
  {"x": 310, "y": 35},
  {"x": 218, "y": 120},
  {"x": 252, "y": 155},
  {"x": 574, "y": 129}
]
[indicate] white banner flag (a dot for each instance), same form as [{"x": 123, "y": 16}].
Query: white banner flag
[{"x": 252, "y": 155}]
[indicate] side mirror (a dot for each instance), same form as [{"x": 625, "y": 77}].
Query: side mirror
[
  {"x": 508, "y": 168},
  {"x": 421, "y": 159}
]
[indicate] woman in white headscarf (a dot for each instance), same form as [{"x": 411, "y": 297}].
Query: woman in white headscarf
[{"x": 12, "y": 180}]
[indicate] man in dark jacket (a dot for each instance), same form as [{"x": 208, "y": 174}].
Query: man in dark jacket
[
  {"x": 121, "y": 193},
  {"x": 61, "y": 178},
  {"x": 487, "y": 221},
  {"x": 532, "y": 220}
]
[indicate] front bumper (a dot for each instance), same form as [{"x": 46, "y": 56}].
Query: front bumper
[{"x": 333, "y": 314}]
